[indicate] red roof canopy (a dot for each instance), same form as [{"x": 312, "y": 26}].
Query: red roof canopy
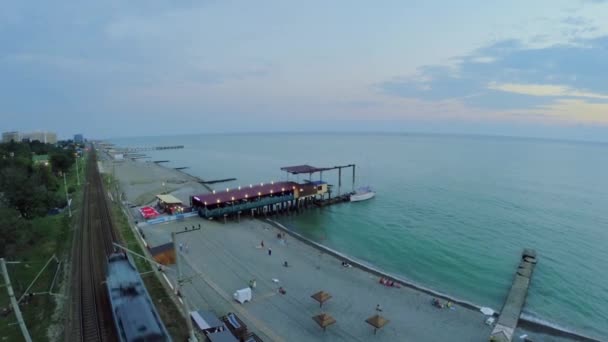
[{"x": 244, "y": 192}]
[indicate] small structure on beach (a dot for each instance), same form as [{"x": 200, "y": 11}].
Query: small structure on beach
[
  {"x": 324, "y": 320},
  {"x": 170, "y": 204},
  {"x": 321, "y": 297},
  {"x": 163, "y": 254},
  {"x": 377, "y": 322}
]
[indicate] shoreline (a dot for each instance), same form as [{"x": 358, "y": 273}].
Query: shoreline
[
  {"x": 532, "y": 324},
  {"x": 529, "y": 324}
]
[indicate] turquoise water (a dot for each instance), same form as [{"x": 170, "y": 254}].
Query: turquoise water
[{"x": 452, "y": 212}]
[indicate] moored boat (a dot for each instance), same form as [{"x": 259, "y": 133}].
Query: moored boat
[{"x": 362, "y": 194}]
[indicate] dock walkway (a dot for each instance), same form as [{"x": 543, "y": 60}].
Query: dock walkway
[{"x": 511, "y": 310}]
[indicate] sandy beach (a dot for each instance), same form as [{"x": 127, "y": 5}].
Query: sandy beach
[
  {"x": 221, "y": 258},
  {"x": 141, "y": 181}
]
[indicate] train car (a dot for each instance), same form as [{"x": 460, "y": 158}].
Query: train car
[{"x": 135, "y": 316}]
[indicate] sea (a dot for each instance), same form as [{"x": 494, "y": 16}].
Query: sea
[{"x": 452, "y": 213}]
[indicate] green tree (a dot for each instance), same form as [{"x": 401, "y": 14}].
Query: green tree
[
  {"x": 13, "y": 229},
  {"x": 24, "y": 192},
  {"x": 61, "y": 161}
]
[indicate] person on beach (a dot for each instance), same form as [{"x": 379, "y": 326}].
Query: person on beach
[
  {"x": 285, "y": 264},
  {"x": 269, "y": 251},
  {"x": 282, "y": 290},
  {"x": 186, "y": 248},
  {"x": 262, "y": 244},
  {"x": 181, "y": 246},
  {"x": 378, "y": 308}
]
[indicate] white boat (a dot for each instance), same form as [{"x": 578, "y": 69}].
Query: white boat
[{"x": 362, "y": 194}]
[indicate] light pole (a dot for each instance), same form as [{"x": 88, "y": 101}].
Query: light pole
[
  {"x": 77, "y": 173},
  {"x": 180, "y": 280},
  {"x": 65, "y": 185},
  {"x": 14, "y": 303}
]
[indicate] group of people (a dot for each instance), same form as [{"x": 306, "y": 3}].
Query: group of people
[
  {"x": 388, "y": 282},
  {"x": 437, "y": 303}
]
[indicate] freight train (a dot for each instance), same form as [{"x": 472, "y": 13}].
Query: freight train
[{"x": 135, "y": 316}]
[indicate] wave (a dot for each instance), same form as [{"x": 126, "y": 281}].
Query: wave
[{"x": 532, "y": 322}]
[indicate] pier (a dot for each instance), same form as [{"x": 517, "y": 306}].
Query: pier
[
  {"x": 154, "y": 148},
  {"x": 511, "y": 310},
  {"x": 271, "y": 198},
  {"x": 218, "y": 181}
]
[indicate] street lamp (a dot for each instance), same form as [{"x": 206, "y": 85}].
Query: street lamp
[
  {"x": 180, "y": 280},
  {"x": 77, "y": 173}
]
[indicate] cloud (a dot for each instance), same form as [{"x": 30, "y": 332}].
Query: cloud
[
  {"x": 578, "y": 20},
  {"x": 508, "y": 76},
  {"x": 545, "y": 90}
]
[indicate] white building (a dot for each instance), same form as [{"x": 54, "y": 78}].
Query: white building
[
  {"x": 42, "y": 136},
  {"x": 7, "y": 137}
]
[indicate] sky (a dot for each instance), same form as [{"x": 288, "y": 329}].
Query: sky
[{"x": 118, "y": 68}]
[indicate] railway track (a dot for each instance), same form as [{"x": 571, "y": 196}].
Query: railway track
[{"x": 91, "y": 310}]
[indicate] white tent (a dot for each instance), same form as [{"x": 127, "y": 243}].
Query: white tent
[
  {"x": 487, "y": 311},
  {"x": 242, "y": 295}
]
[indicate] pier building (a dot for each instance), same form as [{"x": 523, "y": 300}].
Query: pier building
[{"x": 256, "y": 199}]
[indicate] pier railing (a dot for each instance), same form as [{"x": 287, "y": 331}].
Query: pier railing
[{"x": 253, "y": 204}]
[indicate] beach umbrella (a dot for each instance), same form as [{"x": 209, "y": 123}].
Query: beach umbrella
[
  {"x": 321, "y": 297},
  {"x": 324, "y": 320},
  {"x": 487, "y": 311},
  {"x": 377, "y": 322}
]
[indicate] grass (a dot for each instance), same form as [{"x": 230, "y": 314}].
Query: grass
[
  {"x": 169, "y": 312},
  {"x": 55, "y": 238}
]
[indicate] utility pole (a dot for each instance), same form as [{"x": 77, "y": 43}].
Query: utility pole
[
  {"x": 180, "y": 281},
  {"x": 65, "y": 185},
  {"x": 14, "y": 304},
  {"x": 77, "y": 173}
]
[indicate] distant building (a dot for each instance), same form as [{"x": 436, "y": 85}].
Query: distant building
[
  {"x": 7, "y": 137},
  {"x": 78, "y": 138},
  {"x": 42, "y": 136}
]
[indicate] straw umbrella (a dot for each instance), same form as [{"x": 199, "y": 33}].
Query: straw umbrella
[
  {"x": 321, "y": 297},
  {"x": 377, "y": 322},
  {"x": 324, "y": 320}
]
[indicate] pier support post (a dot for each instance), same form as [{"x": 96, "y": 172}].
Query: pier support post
[
  {"x": 353, "y": 177},
  {"x": 339, "y": 180},
  {"x": 225, "y": 218}
]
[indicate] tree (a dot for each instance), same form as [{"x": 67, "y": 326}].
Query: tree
[
  {"x": 61, "y": 161},
  {"x": 24, "y": 192},
  {"x": 13, "y": 229}
]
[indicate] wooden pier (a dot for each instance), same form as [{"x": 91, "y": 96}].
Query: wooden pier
[
  {"x": 332, "y": 200},
  {"x": 509, "y": 316},
  {"x": 218, "y": 181},
  {"x": 154, "y": 148}
]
